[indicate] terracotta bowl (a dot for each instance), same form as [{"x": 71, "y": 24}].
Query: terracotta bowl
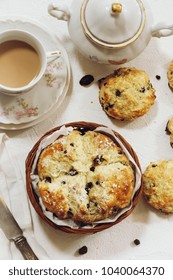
[{"x": 35, "y": 200}]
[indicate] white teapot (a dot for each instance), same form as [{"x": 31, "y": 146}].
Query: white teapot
[{"x": 110, "y": 32}]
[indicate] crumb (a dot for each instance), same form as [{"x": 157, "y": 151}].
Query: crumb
[
  {"x": 83, "y": 250},
  {"x": 136, "y": 241},
  {"x": 86, "y": 80}
]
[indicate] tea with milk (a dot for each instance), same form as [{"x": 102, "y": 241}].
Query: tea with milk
[{"x": 19, "y": 63}]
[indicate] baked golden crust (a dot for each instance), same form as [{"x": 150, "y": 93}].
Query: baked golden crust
[
  {"x": 169, "y": 130},
  {"x": 85, "y": 177},
  {"x": 170, "y": 75},
  {"x": 158, "y": 185},
  {"x": 126, "y": 94}
]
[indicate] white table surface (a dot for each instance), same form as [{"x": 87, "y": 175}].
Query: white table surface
[{"x": 146, "y": 135}]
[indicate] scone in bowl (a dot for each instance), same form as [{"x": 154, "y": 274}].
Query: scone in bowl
[{"x": 83, "y": 178}]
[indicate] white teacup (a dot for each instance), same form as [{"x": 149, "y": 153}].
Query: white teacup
[{"x": 23, "y": 61}]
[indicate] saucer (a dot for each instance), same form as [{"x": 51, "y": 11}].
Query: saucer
[{"x": 26, "y": 110}]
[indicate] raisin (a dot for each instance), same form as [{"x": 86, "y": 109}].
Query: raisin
[
  {"x": 86, "y": 80},
  {"x": 92, "y": 168},
  {"x": 167, "y": 129},
  {"x": 158, "y": 77},
  {"x": 82, "y": 130},
  {"x": 154, "y": 165},
  {"x": 48, "y": 179},
  {"x": 83, "y": 250},
  {"x": 88, "y": 187},
  {"x": 98, "y": 160},
  {"x": 142, "y": 89},
  {"x": 72, "y": 172},
  {"x": 72, "y": 144},
  {"x": 137, "y": 242},
  {"x": 118, "y": 92},
  {"x": 70, "y": 213},
  {"x": 120, "y": 152},
  {"x": 109, "y": 106},
  {"x": 63, "y": 182}
]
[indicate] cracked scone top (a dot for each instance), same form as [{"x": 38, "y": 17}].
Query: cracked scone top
[
  {"x": 126, "y": 94},
  {"x": 85, "y": 177}
]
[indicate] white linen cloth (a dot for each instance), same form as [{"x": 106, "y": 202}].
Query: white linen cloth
[{"x": 13, "y": 191}]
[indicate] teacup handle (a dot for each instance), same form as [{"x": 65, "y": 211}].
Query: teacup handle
[
  {"x": 53, "y": 55},
  {"x": 162, "y": 30},
  {"x": 63, "y": 9}
]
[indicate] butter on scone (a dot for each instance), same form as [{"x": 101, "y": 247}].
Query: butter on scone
[
  {"x": 126, "y": 94},
  {"x": 158, "y": 185},
  {"x": 85, "y": 176}
]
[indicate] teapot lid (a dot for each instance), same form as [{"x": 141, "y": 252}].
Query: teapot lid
[{"x": 111, "y": 24}]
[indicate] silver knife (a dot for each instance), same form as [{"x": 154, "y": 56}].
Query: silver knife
[{"x": 13, "y": 232}]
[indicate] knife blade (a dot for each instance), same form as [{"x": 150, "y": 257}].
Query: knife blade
[{"x": 13, "y": 232}]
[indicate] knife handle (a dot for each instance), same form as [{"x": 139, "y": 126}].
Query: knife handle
[{"x": 25, "y": 249}]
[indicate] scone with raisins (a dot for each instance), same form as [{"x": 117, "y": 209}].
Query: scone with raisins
[
  {"x": 126, "y": 94},
  {"x": 170, "y": 75},
  {"x": 85, "y": 177},
  {"x": 169, "y": 130},
  {"x": 158, "y": 185}
]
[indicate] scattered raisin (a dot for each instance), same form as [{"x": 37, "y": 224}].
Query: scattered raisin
[
  {"x": 118, "y": 92},
  {"x": 72, "y": 144},
  {"x": 92, "y": 168},
  {"x": 70, "y": 213},
  {"x": 48, "y": 179},
  {"x": 83, "y": 250},
  {"x": 154, "y": 165},
  {"x": 167, "y": 129},
  {"x": 72, "y": 172},
  {"x": 137, "y": 242},
  {"x": 98, "y": 160},
  {"x": 82, "y": 130},
  {"x": 63, "y": 182},
  {"x": 142, "y": 89},
  {"x": 109, "y": 106},
  {"x": 158, "y": 77},
  {"x": 86, "y": 80},
  {"x": 88, "y": 187}
]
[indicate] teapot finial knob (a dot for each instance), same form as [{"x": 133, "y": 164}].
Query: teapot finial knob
[{"x": 116, "y": 8}]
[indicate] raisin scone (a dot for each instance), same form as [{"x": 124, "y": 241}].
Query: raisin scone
[
  {"x": 158, "y": 185},
  {"x": 170, "y": 75},
  {"x": 85, "y": 176},
  {"x": 126, "y": 94},
  {"x": 169, "y": 130}
]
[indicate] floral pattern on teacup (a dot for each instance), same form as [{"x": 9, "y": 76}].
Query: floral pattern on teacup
[
  {"x": 23, "y": 109},
  {"x": 26, "y": 108},
  {"x": 51, "y": 76}
]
